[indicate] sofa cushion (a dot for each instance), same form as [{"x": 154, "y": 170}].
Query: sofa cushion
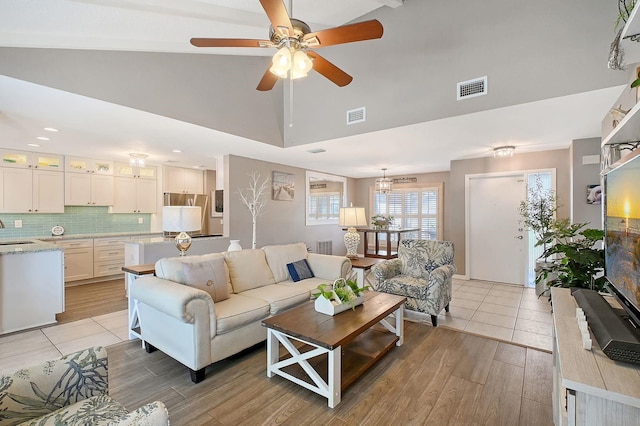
[
  {"x": 300, "y": 270},
  {"x": 280, "y": 255},
  {"x": 207, "y": 276},
  {"x": 310, "y": 284},
  {"x": 97, "y": 410},
  {"x": 280, "y": 297},
  {"x": 248, "y": 269},
  {"x": 238, "y": 311},
  {"x": 172, "y": 268}
]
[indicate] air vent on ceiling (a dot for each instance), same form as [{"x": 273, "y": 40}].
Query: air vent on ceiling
[
  {"x": 472, "y": 88},
  {"x": 358, "y": 115}
]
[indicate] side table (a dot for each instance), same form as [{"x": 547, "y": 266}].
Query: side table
[
  {"x": 362, "y": 268},
  {"x": 133, "y": 272}
]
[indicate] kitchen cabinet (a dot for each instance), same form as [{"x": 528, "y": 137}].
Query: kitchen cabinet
[
  {"x": 78, "y": 259},
  {"x": 30, "y": 160},
  {"x": 183, "y": 181},
  {"x": 145, "y": 172},
  {"x": 29, "y": 190},
  {"x": 88, "y": 189},
  {"x": 108, "y": 256},
  {"x": 134, "y": 195},
  {"x": 88, "y": 182},
  {"x": 88, "y": 165}
]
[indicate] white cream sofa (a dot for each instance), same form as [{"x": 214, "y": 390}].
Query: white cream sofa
[{"x": 185, "y": 323}]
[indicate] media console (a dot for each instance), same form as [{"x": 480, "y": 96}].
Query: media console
[{"x": 589, "y": 388}]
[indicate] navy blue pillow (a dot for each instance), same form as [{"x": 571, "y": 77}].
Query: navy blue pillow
[{"x": 299, "y": 270}]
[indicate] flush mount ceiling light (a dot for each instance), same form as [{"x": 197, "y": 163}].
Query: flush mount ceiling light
[
  {"x": 383, "y": 184},
  {"x": 504, "y": 151},
  {"x": 137, "y": 159}
]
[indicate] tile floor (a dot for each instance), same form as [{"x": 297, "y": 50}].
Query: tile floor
[
  {"x": 499, "y": 311},
  {"x": 35, "y": 346}
]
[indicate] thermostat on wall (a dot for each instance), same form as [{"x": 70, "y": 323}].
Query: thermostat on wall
[{"x": 57, "y": 230}]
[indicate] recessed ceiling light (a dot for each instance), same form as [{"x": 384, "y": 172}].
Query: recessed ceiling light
[
  {"x": 177, "y": 150},
  {"x": 33, "y": 144},
  {"x": 50, "y": 129},
  {"x": 317, "y": 151},
  {"x": 42, "y": 138}
]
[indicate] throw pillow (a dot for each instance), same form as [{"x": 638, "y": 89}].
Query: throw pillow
[
  {"x": 300, "y": 270},
  {"x": 203, "y": 276}
]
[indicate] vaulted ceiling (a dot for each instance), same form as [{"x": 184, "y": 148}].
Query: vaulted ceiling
[{"x": 120, "y": 76}]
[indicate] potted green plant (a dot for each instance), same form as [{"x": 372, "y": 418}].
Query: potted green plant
[
  {"x": 380, "y": 221},
  {"x": 576, "y": 258},
  {"x": 538, "y": 214},
  {"x": 334, "y": 298}
]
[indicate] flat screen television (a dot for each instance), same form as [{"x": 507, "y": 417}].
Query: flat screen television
[{"x": 622, "y": 226}]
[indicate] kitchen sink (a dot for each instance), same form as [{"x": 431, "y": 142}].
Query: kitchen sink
[{"x": 11, "y": 243}]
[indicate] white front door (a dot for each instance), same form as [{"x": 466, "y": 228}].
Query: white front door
[{"x": 497, "y": 244}]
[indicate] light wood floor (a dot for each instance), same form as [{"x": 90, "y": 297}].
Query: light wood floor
[
  {"x": 90, "y": 300},
  {"x": 439, "y": 376}
]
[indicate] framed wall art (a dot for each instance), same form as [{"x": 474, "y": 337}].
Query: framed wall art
[{"x": 283, "y": 186}]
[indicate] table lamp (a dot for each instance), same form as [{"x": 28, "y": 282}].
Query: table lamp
[
  {"x": 352, "y": 217},
  {"x": 181, "y": 219}
]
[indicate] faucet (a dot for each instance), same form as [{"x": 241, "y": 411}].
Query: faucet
[{"x": 1, "y": 224}]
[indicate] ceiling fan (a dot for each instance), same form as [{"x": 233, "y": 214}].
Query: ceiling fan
[{"x": 295, "y": 43}]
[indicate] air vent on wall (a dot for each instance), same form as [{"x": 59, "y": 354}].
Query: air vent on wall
[
  {"x": 472, "y": 88},
  {"x": 358, "y": 115}
]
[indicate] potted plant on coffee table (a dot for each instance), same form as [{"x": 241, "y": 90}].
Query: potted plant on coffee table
[{"x": 334, "y": 298}]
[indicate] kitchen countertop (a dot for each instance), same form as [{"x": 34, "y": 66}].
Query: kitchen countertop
[
  {"x": 164, "y": 240},
  {"x": 33, "y": 246},
  {"x": 46, "y": 243}
]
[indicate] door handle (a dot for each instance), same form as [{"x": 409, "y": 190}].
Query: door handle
[{"x": 519, "y": 237}]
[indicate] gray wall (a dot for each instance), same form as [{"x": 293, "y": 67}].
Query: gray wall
[
  {"x": 282, "y": 221},
  {"x": 581, "y": 176}
]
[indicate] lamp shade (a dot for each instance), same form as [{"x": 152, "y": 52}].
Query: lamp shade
[
  {"x": 181, "y": 218},
  {"x": 352, "y": 216}
]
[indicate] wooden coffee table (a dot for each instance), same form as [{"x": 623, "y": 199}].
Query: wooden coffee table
[{"x": 325, "y": 354}]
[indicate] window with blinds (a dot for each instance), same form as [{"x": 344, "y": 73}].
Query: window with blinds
[
  {"x": 412, "y": 207},
  {"x": 324, "y": 205}
]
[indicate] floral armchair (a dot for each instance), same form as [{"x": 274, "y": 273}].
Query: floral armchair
[
  {"x": 71, "y": 390},
  {"x": 423, "y": 273}
]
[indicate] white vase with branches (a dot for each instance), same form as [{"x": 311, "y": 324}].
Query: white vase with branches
[{"x": 254, "y": 198}]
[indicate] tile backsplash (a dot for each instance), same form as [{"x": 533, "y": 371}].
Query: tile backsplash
[{"x": 75, "y": 220}]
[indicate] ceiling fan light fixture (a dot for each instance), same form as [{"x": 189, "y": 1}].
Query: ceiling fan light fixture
[
  {"x": 301, "y": 65},
  {"x": 281, "y": 62}
]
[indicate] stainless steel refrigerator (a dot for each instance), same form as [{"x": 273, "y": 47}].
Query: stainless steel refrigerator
[{"x": 177, "y": 199}]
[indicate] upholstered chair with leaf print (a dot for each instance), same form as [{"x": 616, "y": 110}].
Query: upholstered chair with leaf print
[
  {"x": 423, "y": 273},
  {"x": 72, "y": 390}
]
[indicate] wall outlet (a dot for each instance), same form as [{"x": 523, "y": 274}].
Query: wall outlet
[
  {"x": 221, "y": 221},
  {"x": 141, "y": 220},
  {"x": 17, "y": 223}
]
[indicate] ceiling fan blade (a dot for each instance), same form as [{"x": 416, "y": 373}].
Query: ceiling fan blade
[
  {"x": 277, "y": 13},
  {"x": 329, "y": 70},
  {"x": 229, "y": 42},
  {"x": 367, "y": 30},
  {"x": 268, "y": 81}
]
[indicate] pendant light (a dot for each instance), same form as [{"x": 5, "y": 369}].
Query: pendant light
[{"x": 383, "y": 184}]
